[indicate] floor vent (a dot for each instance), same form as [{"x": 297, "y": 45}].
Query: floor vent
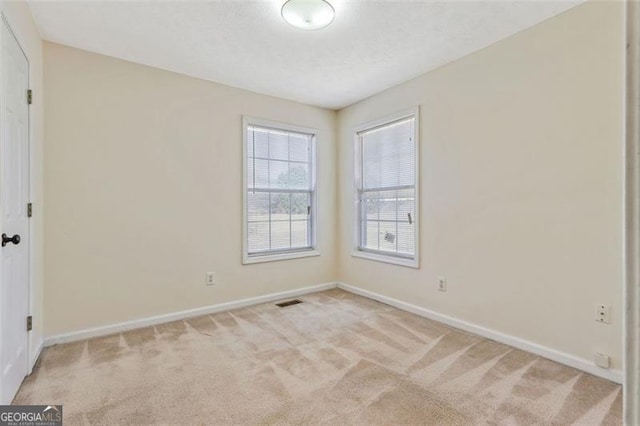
[{"x": 288, "y": 303}]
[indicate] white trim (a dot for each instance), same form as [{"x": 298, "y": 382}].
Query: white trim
[
  {"x": 31, "y": 266},
  {"x": 32, "y": 236},
  {"x": 160, "y": 319},
  {"x": 278, "y": 125},
  {"x": 379, "y": 257},
  {"x": 36, "y": 355},
  {"x": 294, "y": 254},
  {"x": 396, "y": 116},
  {"x": 516, "y": 342},
  {"x": 632, "y": 217},
  {"x": 247, "y": 260},
  {"x": 413, "y": 262}
]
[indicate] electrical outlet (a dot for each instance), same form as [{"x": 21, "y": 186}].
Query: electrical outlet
[
  {"x": 603, "y": 314},
  {"x": 602, "y": 360},
  {"x": 442, "y": 284},
  {"x": 210, "y": 278}
]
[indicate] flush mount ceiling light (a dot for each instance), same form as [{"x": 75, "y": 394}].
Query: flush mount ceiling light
[{"x": 308, "y": 14}]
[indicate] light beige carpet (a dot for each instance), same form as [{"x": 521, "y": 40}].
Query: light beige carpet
[{"x": 336, "y": 359}]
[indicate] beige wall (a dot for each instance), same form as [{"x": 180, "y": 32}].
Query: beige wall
[
  {"x": 19, "y": 19},
  {"x": 521, "y": 185},
  {"x": 521, "y": 188},
  {"x": 144, "y": 193}
]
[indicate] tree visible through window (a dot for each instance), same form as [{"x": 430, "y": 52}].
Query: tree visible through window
[{"x": 280, "y": 191}]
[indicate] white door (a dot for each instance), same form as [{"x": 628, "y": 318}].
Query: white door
[{"x": 14, "y": 221}]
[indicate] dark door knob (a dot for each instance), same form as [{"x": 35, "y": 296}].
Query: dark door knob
[{"x": 5, "y": 240}]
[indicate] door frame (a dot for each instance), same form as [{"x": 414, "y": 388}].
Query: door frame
[
  {"x": 30, "y": 255},
  {"x": 632, "y": 219}
]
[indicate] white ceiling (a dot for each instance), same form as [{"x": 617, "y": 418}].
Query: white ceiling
[{"x": 371, "y": 45}]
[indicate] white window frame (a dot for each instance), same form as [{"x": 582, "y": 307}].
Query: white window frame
[
  {"x": 293, "y": 253},
  {"x": 357, "y": 251}
]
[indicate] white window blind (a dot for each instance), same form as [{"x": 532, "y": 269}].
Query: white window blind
[
  {"x": 280, "y": 191},
  {"x": 386, "y": 189}
]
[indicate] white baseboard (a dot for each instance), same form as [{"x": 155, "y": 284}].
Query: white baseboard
[
  {"x": 160, "y": 319},
  {"x": 516, "y": 342},
  {"x": 35, "y": 355}
]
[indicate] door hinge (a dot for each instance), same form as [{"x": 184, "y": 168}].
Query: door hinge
[
  {"x": 29, "y": 209},
  {"x": 29, "y": 96},
  {"x": 29, "y": 323}
]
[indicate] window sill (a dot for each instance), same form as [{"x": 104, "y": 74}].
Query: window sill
[
  {"x": 248, "y": 260},
  {"x": 410, "y": 263}
]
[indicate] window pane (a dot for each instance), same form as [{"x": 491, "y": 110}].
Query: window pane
[
  {"x": 299, "y": 233},
  {"x": 261, "y": 171},
  {"x": 257, "y": 206},
  {"x": 299, "y": 205},
  {"x": 389, "y": 166},
  {"x": 278, "y": 216},
  {"x": 388, "y": 156},
  {"x": 371, "y": 163},
  {"x": 299, "y": 148},
  {"x": 391, "y": 208},
  {"x": 406, "y": 158},
  {"x": 280, "y": 236},
  {"x": 406, "y": 235},
  {"x": 387, "y": 191},
  {"x": 371, "y": 208},
  {"x": 279, "y": 174},
  {"x": 388, "y": 209},
  {"x": 406, "y": 207},
  {"x": 372, "y": 234},
  {"x": 259, "y": 141},
  {"x": 299, "y": 176},
  {"x": 388, "y": 236},
  {"x": 280, "y": 203},
  {"x": 278, "y": 146},
  {"x": 258, "y": 236}
]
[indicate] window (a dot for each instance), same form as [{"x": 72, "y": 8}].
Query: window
[
  {"x": 279, "y": 191},
  {"x": 387, "y": 193}
]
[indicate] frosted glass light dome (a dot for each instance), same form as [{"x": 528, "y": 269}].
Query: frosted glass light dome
[{"x": 308, "y": 14}]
